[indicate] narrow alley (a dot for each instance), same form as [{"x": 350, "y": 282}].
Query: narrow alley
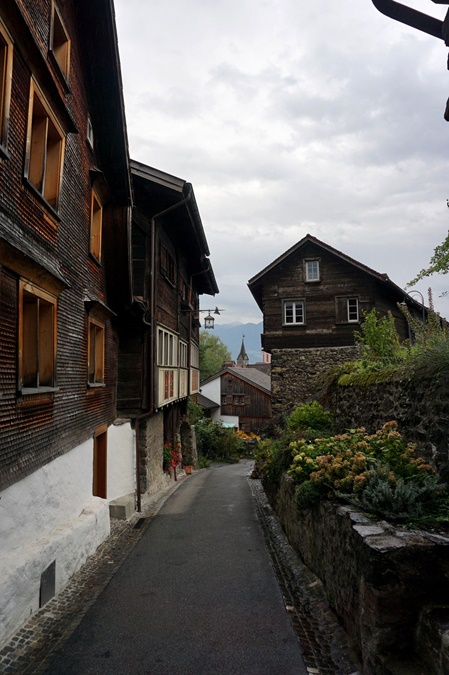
[{"x": 198, "y": 594}]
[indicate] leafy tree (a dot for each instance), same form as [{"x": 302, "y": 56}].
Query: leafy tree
[
  {"x": 439, "y": 262},
  {"x": 212, "y": 354}
]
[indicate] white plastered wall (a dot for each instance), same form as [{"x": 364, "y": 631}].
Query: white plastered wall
[
  {"x": 121, "y": 460},
  {"x": 49, "y": 516}
]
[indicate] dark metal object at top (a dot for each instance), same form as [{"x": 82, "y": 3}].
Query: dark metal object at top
[{"x": 411, "y": 17}]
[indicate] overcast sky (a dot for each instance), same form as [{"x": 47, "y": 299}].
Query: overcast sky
[{"x": 292, "y": 117}]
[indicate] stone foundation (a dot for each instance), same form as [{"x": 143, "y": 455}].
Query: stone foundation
[
  {"x": 377, "y": 578},
  {"x": 294, "y": 374}
]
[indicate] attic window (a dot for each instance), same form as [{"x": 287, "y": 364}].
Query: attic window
[{"x": 312, "y": 270}]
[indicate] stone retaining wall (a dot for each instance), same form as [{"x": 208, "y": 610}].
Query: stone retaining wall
[
  {"x": 294, "y": 373},
  {"x": 377, "y": 577},
  {"x": 420, "y": 407}
]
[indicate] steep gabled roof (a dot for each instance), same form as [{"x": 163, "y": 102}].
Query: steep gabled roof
[
  {"x": 157, "y": 193},
  {"x": 253, "y": 376},
  {"x": 254, "y": 283}
]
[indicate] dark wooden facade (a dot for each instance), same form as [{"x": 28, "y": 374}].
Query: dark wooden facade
[
  {"x": 331, "y": 306},
  {"x": 62, "y": 140},
  {"x": 159, "y": 338},
  {"x": 244, "y": 393},
  {"x": 242, "y": 398}
]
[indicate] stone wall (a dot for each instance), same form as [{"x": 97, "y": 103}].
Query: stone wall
[
  {"x": 152, "y": 477},
  {"x": 420, "y": 407},
  {"x": 377, "y": 578},
  {"x": 294, "y": 374}
]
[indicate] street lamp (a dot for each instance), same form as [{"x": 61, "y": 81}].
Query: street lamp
[
  {"x": 209, "y": 320},
  {"x": 422, "y": 303}
]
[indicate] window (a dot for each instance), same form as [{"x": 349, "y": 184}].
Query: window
[
  {"x": 238, "y": 399},
  {"x": 352, "y": 305},
  {"x": 37, "y": 337},
  {"x": 167, "y": 265},
  {"x": 194, "y": 356},
  {"x": 6, "y": 51},
  {"x": 312, "y": 270},
  {"x": 294, "y": 312},
  {"x": 95, "y": 350},
  {"x": 60, "y": 43},
  {"x": 167, "y": 348},
  {"x": 96, "y": 222},
  {"x": 183, "y": 350},
  {"x": 45, "y": 149}
]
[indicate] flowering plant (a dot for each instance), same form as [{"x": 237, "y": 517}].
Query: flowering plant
[
  {"x": 172, "y": 456},
  {"x": 379, "y": 472}
]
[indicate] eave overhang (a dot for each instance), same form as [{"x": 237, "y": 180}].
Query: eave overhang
[{"x": 159, "y": 195}]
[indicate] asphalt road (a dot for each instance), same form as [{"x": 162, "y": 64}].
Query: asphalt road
[{"x": 196, "y": 596}]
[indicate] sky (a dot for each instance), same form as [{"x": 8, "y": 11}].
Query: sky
[{"x": 294, "y": 117}]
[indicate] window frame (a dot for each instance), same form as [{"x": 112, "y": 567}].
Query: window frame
[
  {"x": 6, "y": 61},
  {"x": 45, "y": 339},
  {"x": 96, "y": 226},
  {"x": 167, "y": 265},
  {"x": 315, "y": 277},
  {"x": 41, "y": 149},
  {"x": 294, "y": 303},
  {"x": 96, "y": 350},
  {"x": 60, "y": 48},
  {"x": 167, "y": 348},
  {"x": 348, "y": 310}
]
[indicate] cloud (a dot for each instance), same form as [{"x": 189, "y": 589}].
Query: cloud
[{"x": 291, "y": 118}]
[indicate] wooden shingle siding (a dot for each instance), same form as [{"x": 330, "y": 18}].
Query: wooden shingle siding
[{"x": 49, "y": 247}]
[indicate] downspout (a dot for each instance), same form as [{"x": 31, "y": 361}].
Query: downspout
[
  {"x": 411, "y": 17},
  {"x": 150, "y": 324}
]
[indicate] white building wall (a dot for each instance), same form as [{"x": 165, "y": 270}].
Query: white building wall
[
  {"x": 212, "y": 390},
  {"x": 49, "y": 516},
  {"x": 121, "y": 460}
]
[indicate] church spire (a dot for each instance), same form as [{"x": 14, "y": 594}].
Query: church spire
[{"x": 242, "y": 358}]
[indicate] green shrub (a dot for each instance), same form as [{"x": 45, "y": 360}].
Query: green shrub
[
  {"x": 216, "y": 442},
  {"x": 401, "y": 499},
  {"x": 194, "y": 411},
  {"x": 310, "y": 417}
]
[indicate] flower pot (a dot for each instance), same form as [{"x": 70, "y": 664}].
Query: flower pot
[{"x": 187, "y": 468}]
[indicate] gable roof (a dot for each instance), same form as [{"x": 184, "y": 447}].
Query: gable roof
[
  {"x": 254, "y": 284},
  {"x": 156, "y": 194},
  {"x": 253, "y": 376}
]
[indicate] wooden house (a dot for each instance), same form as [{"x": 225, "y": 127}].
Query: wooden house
[
  {"x": 159, "y": 336},
  {"x": 242, "y": 396},
  {"x": 65, "y": 203},
  {"x": 313, "y": 297}
]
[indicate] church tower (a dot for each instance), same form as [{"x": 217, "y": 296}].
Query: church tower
[{"x": 242, "y": 358}]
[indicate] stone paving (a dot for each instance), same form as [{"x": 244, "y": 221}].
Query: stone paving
[{"x": 326, "y": 652}]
